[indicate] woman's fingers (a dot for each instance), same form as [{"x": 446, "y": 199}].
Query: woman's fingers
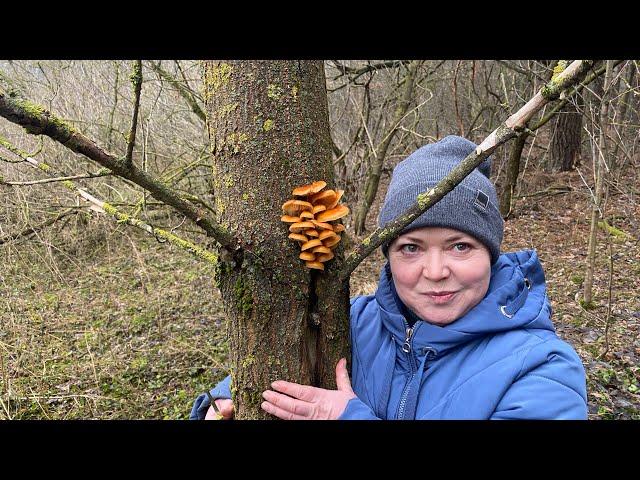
[
  {"x": 211, "y": 414},
  {"x": 342, "y": 377},
  {"x": 224, "y": 411},
  {"x": 225, "y": 406},
  {"x": 292, "y": 401},
  {"x": 284, "y": 403},
  {"x": 281, "y": 413},
  {"x": 295, "y": 390}
]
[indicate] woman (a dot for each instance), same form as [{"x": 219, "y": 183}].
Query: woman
[{"x": 455, "y": 330}]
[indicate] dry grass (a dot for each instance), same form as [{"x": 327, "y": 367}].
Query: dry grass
[{"x": 122, "y": 329}]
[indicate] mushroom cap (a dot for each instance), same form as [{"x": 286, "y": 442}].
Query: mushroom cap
[
  {"x": 290, "y": 219},
  {"x": 311, "y": 188},
  {"x": 326, "y": 234},
  {"x": 333, "y": 214},
  {"x": 324, "y": 257},
  {"x": 311, "y": 233},
  {"x": 325, "y": 198},
  {"x": 310, "y": 244},
  {"x": 321, "y": 249},
  {"x": 298, "y": 227},
  {"x": 330, "y": 242},
  {"x": 322, "y": 225},
  {"x": 308, "y": 256},
  {"x": 319, "y": 208},
  {"x": 339, "y": 194},
  {"x": 294, "y": 207},
  {"x": 339, "y": 228},
  {"x": 298, "y": 236},
  {"x": 316, "y": 265},
  {"x": 306, "y": 214}
]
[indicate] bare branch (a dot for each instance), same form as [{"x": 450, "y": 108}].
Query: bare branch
[
  {"x": 103, "y": 207},
  {"x": 355, "y": 73},
  {"x": 160, "y": 234},
  {"x": 136, "y": 80},
  {"x": 37, "y": 228},
  {"x": 100, "y": 173},
  {"x": 20, "y": 153},
  {"x": 182, "y": 90},
  {"x": 38, "y": 121},
  {"x": 590, "y": 78}
]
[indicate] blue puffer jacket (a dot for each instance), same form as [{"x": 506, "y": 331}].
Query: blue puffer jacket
[{"x": 502, "y": 360}]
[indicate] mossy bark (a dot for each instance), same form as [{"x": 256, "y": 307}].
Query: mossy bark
[{"x": 269, "y": 131}]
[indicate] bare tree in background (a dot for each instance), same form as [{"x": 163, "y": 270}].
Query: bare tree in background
[
  {"x": 566, "y": 140},
  {"x": 601, "y": 164}
]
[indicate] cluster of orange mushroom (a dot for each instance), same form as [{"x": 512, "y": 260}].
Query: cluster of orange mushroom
[{"x": 310, "y": 214}]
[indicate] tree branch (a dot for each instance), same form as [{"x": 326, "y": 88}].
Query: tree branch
[
  {"x": 590, "y": 78},
  {"x": 182, "y": 90},
  {"x": 100, "y": 173},
  {"x": 509, "y": 129},
  {"x": 136, "y": 80},
  {"x": 38, "y": 121},
  {"x": 37, "y": 228},
  {"x": 515, "y": 68},
  {"x": 368, "y": 68},
  {"x": 103, "y": 207},
  {"x": 160, "y": 234}
]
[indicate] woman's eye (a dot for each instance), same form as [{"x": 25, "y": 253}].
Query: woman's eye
[
  {"x": 461, "y": 247},
  {"x": 410, "y": 248}
]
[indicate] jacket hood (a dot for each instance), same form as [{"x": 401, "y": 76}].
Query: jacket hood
[{"x": 516, "y": 298}]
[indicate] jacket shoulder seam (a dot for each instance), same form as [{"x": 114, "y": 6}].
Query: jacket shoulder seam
[{"x": 556, "y": 382}]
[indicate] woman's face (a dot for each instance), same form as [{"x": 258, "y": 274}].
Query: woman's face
[{"x": 439, "y": 273}]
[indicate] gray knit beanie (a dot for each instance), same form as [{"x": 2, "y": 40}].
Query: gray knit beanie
[{"x": 471, "y": 207}]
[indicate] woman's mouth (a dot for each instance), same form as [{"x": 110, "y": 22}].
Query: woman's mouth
[{"x": 440, "y": 297}]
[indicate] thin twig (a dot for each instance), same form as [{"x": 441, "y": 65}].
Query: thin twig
[
  {"x": 184, "y": 92},
  {"x": 36, "y": 228},
  {"x": 136, "y": 80},
  {"x": 607, "y": 321},
  {"x": 100, "y": 173}
]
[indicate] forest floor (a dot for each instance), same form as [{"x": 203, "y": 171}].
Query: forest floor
[{"x": 118, "y": 326}]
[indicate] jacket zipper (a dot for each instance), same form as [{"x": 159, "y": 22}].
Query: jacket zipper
[{"x": 406, "y": 348}]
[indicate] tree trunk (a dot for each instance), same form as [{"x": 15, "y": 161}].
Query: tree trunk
[
  {"x": 513, "y": 170},
  {"x": 373, "y": 177},
  {"x": 564, "y": 150},
  {"x": 269, "y": 132}
]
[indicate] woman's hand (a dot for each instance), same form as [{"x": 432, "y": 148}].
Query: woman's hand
[
  {"x": 225, "y": 406},
  {"x": 302, "y": 402}
]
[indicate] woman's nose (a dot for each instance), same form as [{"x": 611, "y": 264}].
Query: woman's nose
[{"x": 435, "y": 266}]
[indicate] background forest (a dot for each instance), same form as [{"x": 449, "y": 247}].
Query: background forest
[{"x": 100, "y": 319}]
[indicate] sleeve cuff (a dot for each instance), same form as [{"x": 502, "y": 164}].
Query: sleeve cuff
[{"x": 357, "y": 410}]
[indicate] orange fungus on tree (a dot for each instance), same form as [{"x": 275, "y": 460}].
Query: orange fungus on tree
[{"x": 310, "y": 214}]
